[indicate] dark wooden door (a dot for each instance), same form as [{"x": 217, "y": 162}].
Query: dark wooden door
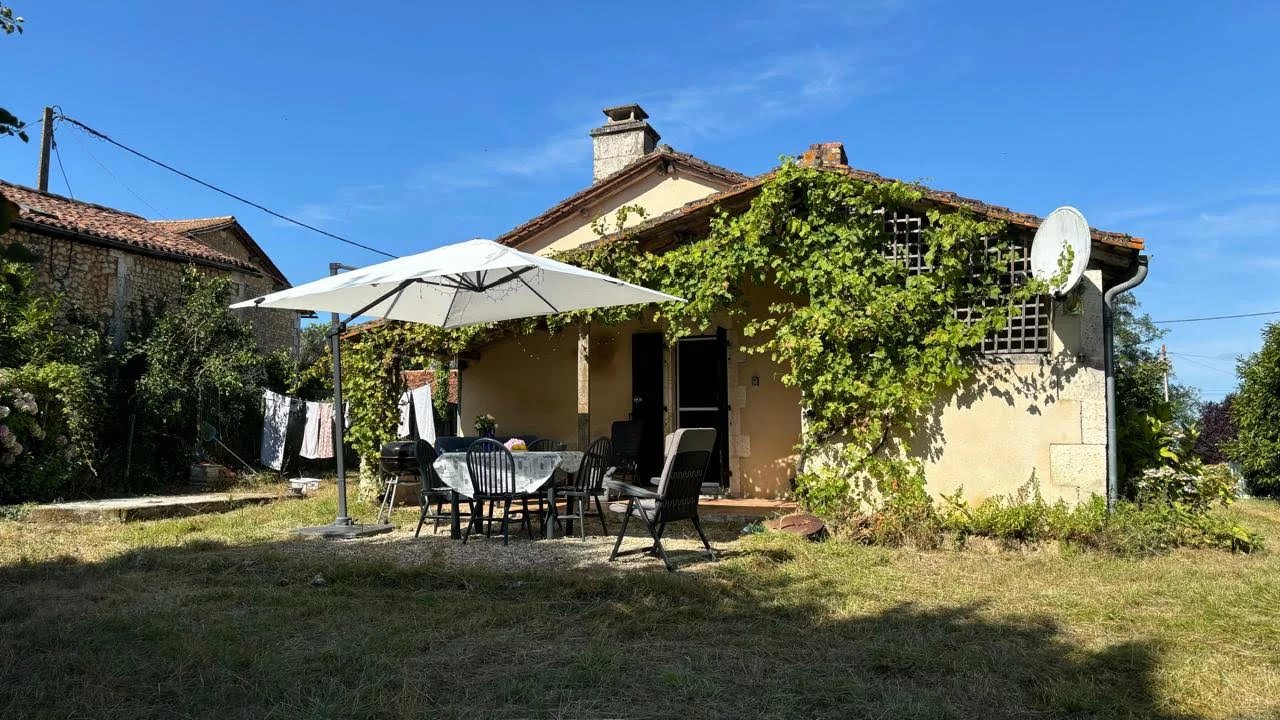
[
  {"x": 702, "y": 395},
  {"x": 647, "y": 401}
]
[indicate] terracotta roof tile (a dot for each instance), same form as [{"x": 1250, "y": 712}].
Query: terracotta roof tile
[
  {"x": 196, "y": 224},
  {"x": 565, "y": 207},
  {"x": 87, "y": 219}
]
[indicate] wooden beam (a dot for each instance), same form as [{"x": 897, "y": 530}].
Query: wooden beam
[{"x": 584, "y": 386}]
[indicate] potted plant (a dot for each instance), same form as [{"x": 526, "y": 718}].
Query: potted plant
[{"x": 486, "y": 425}]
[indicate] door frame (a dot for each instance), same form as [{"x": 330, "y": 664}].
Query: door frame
[{"x": 724, "y": 483}]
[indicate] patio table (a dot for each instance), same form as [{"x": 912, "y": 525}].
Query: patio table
[{"x": 534, "y": 471}]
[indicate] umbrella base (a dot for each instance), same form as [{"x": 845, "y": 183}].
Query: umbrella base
[{"x": 343, "y": 532}]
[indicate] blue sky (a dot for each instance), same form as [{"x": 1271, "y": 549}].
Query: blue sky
[{"x": 409, "y": 127}]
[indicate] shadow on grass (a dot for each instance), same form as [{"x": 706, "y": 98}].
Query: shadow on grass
[{"x": 313, "y": 630}]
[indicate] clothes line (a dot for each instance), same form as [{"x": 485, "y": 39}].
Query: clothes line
[
  {"x": 293, "y": 425},
  {"x": 283, "y": 415}
]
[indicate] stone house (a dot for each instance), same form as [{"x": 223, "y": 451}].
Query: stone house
[
  {"x": 108, "y": 263},
  {"x": 1037, "y": 407}
]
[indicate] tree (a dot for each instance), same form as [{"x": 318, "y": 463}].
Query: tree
[
  {"x": 9, "y": 123},
  {"x": 1140, "y": 389},
  {"x": 201, "y": 366},
  {"x": 1139, "y": 368},
  {"x": 1217, "y": 429},
  {"x": 1256, "y": 412}
]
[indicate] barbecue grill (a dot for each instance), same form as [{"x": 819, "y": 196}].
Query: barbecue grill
[{"x": 400, "y": 458}]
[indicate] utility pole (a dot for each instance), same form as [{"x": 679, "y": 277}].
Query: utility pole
[
  {"x": 1164, "y": 359},
  {"x": 46, "y": 145}
]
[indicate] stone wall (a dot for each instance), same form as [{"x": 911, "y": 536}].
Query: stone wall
[{"x": 113, "y": 286}]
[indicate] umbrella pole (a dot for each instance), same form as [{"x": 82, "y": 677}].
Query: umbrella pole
[
  {"x": 339, "y": 429},
  {"x": 343, "y": 527}
]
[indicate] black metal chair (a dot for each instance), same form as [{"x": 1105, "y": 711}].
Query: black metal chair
[
  {"x": 546, "y": 445},
  {"x": 433, "y": 490},
  {"x": 676, "y": 497},
  {"x": 587, "y": 485},
  {"x": 493, "y": 480}
]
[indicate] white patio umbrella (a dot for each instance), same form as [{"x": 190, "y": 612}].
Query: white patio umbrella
[{"x": 470, "y": 282}]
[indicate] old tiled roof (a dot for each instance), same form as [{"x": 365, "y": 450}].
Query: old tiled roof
[
  {"x": 196, "y": 226},
  {"x": 664, "y": 154},
  {"x": 90, "y": 221},
  {"x": 741, "y": 194}
]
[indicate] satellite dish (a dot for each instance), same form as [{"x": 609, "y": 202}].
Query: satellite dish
[{"x": 1063, "y": 229}]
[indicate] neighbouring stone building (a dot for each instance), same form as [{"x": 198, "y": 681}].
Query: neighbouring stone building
[{"x": 109, "y": 264}]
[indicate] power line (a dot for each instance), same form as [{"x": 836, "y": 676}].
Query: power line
[
  {"x": 1203, "y": 365},
  {"x": 1216, "y": 317},
  {"x": 1204, "y": 357},
  {"x": 58, "y": 154},
  {"x": 215, "y": 188},
  {"x": 122, "y": 184}
]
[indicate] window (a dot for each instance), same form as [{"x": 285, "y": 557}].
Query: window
[{"x": 1027, "y": 332}]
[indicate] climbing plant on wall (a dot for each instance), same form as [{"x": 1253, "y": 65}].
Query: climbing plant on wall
[{"x": 869, "y": 342}]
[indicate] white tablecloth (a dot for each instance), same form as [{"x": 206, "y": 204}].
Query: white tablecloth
[{"x": 533, "y": 469}]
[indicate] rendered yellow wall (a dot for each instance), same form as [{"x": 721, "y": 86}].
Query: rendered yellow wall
[
  {"x": 656, "y": 193},
  {"x": 1028, "y": 415},
  {"x": 764, "y": 419},
  {"x": 528, "y": 383}
]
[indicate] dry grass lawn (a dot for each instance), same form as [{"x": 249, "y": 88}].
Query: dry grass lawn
[{"x": 227, "y": 616}]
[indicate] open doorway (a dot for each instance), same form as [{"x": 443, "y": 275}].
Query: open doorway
[{"x": 702, "y": 396}]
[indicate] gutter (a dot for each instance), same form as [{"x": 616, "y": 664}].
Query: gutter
[{"x": 1108, "y": 335}]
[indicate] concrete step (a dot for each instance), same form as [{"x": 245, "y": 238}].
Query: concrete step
[{"x": 145, "y": 508}]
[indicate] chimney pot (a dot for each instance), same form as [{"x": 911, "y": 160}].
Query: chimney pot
[{"x": 624, "y": 138}]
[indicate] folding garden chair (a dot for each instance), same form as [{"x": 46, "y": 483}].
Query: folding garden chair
[{"x": 689, "y": 454}]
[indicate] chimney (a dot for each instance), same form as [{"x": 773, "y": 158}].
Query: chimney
[
  {"x": 622, "y": 140},
  {"x": 830, "y": 154}
]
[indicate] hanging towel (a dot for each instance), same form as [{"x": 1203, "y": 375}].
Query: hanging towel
[
  {"x": 275, "y": 428},
  {"x": 324, "y": 439},
  {"x": 311, "y": 432},
  {"x": 424, "y": 414},
  {"x": 405, "y": 406}
]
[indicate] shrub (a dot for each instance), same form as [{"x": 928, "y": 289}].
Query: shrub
[
  {"x": 46, "y": 441},
  {"x": 48, "y": 392},
  {"x": 1155, "y": 528},
  {"x": 1172, "y": 515},
  {"x": 1024, "y": 516}
]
